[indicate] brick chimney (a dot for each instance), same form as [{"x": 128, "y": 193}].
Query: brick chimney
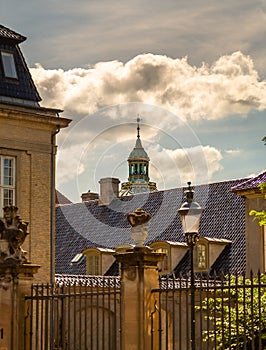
[
  {"x": 89, "y": 196},
  {"x": 109, "y": 189}
]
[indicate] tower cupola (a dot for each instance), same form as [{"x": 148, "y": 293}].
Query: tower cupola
[
  {"x": 138, "y": 161},
  {"x": 138, "y": 169}
]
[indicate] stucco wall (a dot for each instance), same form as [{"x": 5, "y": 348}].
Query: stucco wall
[{"x": 254, "y": 237}]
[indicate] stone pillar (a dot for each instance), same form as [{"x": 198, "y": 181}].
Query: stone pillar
[
  {"x": 15, "y": 283},
  {"x": 139, "y": 275},
  {"x": 16, "y": 277}
]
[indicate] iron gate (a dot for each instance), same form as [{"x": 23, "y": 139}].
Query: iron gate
[
  {"x": 75, "y": 313},
  {"x": 230, "y": 313}
]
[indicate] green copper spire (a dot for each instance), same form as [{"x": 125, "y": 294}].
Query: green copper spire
[
  {"x": 138, "y": 169},
  {"x": 138, "y": 151}
]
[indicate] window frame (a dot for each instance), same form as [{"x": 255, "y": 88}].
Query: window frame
[
  {"x": 8, "y": 187},
  {"x": 12, "y": 62},
  {"x": 196, "y": 259},
  {"x": 93, "y": 262}
]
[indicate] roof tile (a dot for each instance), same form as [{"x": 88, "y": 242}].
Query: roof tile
[{"x": 85, "y": 225}]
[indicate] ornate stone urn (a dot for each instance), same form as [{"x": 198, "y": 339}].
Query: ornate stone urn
[{"x": 138, "y": 219}]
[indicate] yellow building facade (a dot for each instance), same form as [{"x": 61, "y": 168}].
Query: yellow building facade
[{"x": 27, "y": 153}]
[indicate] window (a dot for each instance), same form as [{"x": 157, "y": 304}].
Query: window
[
  {"x": 163, "y": 265},
  {"x": 9, "y": 65},
  {"x": 77, "y": 259},
  {"x": 7, "y": 182},
  {"x": 93, "y": 265},
  {"x": 201, "y": 256}
]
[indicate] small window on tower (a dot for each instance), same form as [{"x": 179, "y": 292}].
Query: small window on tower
[{"x": 9, "y": 65}]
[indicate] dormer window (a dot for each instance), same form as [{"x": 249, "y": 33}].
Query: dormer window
[
  {"x": 201, "y": 257},
  {"x": 9, "y": 66},
  {"x": 163, "y": 247},
  {"x": 163, "y": 265}
]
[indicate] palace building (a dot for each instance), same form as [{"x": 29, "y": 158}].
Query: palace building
[{"x": 27, "y": 152}]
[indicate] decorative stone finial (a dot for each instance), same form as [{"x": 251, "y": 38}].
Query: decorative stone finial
[
  {"x": 13, "y": 231},
  {"x": 138, "y": 219}
]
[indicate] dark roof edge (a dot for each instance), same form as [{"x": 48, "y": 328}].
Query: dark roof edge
[
  {"x": 36, "y": 108},
  {"x": 10, "y": 34},
  {"x": 249, "y": 183},
  {"x": 31, "y": 80}
]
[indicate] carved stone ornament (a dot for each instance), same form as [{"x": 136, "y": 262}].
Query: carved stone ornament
[
  {"x": 13, "y": 231},
  {"x": 5, "y": 282},
  {"x": 138, "y": 219},
  {"x": 130, "y": 273}
]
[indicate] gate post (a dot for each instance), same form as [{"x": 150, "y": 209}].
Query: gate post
[
  {"x": 139, "y": 275},
  {"x": 16, "y": 275},
  {"x": 15, "y": 283}
]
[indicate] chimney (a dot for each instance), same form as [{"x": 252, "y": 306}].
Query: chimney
[
  {"x": 89, "y": 196},
  {"x": 109, "y": 189}
]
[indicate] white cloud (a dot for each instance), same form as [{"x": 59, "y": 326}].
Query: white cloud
[
  {"x": 230, "y": 86},
  {"x": 233, "y": 152},
  {"x": 84, "y": 161},
  {"x": 176, "y": 167},
  {"x": 68, "y": 161}
]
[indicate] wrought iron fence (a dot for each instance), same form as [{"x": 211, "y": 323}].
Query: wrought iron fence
[
  {"x": 230, "y": 312},
  {"x": 75, "y": 313}
]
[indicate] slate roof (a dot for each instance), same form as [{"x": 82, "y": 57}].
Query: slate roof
[
  {"x": 252, "y": 183},
  {"x": 85, "y": 225},
  {"x": 61, "y": 199},
  {"x": 6, "y": 33},
  {"x": 21, "y": 90}
]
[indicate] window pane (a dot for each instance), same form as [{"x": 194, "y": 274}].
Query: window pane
[
  {"x": 93, "y": 265},
  {"x": 7, "y": 182},
  {"x": 9, "y": 65},
  {"x": 163, "y": 265},
  {"x": 96, "y": 266},
  {"x": 8, "y": 172},
  {"x": 202, "y": 261},
  {"x": 8, "y": 197},
  {"x": 90, "y": 267}
]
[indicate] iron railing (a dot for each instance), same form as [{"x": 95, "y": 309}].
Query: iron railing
[
  {"x": 230, "y": 313},
  {"x": 75, "y": 313}
]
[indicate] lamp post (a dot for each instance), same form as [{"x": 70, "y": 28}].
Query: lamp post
[{"x": 190, "y": 213}]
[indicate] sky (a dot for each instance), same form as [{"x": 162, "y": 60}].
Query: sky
[{"x": 194, "y": 71}]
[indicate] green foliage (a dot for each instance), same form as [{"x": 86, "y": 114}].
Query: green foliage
[
  {"x": 237, "y": 314},
  {"x": 260, "y": 215}
]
